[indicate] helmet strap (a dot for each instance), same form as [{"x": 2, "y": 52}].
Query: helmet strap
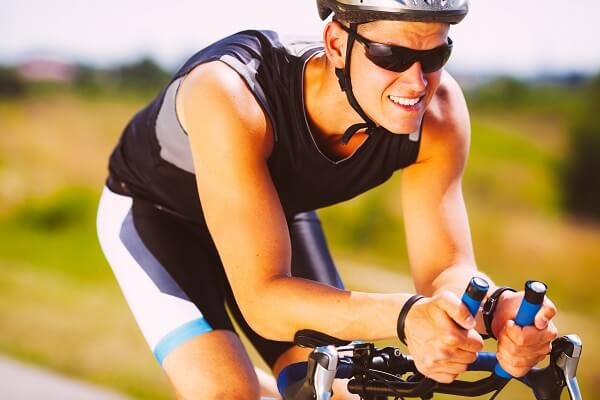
[{"x": 345, "y": 82}]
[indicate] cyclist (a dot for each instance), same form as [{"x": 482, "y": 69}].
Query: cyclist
[{"x": 213, "y": 186}]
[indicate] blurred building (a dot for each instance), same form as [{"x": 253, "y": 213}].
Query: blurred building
[{"x": 47, "y": 69}]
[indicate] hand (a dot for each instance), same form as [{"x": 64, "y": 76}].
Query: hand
[
  {"x": 521, "y": 348},
  {"x": 441, "y": 336}
]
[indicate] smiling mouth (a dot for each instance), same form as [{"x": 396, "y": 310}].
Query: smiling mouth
[{"x": 405, "y": 101}]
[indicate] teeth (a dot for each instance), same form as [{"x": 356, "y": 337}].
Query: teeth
[{"x": 405, "y": 101}]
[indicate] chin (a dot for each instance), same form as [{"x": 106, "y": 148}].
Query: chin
[{"x": 404, "y": 127}]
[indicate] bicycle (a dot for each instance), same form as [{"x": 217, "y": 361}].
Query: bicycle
[{"x": 379, "y": 373}]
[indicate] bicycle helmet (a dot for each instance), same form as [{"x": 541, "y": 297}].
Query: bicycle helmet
[
  {"x": 357, "y": 12},
  {"x": 361, "y": 11}
]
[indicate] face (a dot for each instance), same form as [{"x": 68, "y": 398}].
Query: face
[{"x": 396, "y": 100}]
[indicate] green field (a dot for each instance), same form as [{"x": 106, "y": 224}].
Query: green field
[{"x": 60, "y": 307}]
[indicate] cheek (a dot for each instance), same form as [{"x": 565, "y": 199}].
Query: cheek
[
  {"x": 370, "y": 81},
  {"x": 433, "y": 80}
]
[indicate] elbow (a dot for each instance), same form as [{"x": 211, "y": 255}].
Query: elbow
[{"x": 264, "y": 315}]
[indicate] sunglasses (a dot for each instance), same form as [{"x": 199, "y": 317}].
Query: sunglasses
[{"x": 398, "y": 58}]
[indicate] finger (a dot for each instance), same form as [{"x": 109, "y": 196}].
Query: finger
[
  {"x": 517, "y": 366},
  {"x": 456, "y": 310},
  {"x": 527, "y": 353},
  {"x": 545, "y": 314},
  {"x": 442, "y": 377},
  {"x": 473, "y": 342},
  {"x": 448, "y": 367},
  {"x": 529, "y": 335},
  {"x": 464, "y": 357},
  {"x": 444, "y": 372},
  {"x": 524, "y": 343}
]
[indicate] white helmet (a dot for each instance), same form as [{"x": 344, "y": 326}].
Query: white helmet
[{"x": 360, "y": 11}]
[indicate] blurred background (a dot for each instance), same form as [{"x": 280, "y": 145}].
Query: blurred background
[{"x": 73, "y": 73}]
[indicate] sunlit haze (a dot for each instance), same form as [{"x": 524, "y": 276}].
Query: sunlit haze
[{"x": 537, "y": 37}]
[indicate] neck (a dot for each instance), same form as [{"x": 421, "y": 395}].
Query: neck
[
  {"x": 327, "y": 107},
  {"x": 328, "y": 112}
]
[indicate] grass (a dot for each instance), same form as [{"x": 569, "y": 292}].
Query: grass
[
  {"x": 59, "y": 303},
  {"x": 60, "y": 306}
]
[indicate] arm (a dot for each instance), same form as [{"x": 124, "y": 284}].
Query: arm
[
  {"x": 440, "y": 248},
  {"x": 438, "y": 235},
  {"x": 440, "y": 251},
  {"x": 231, "y": 140}
]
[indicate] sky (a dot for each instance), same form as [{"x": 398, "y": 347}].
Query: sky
[{"x": 496, "y": 37}]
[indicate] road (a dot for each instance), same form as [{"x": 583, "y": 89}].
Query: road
[{"x": 19, "y": 381}]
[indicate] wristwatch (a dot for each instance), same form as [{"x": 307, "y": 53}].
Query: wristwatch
[{"x": 489, "y": 307}]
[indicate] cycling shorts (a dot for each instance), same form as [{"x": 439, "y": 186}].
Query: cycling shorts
[{"x": 175, "y": 283}]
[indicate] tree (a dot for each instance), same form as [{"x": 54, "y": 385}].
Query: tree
[
  {"x": 11, "y": 85},
  {"x": 144, "y": 76},
  {"x": 581, "y": 177}
]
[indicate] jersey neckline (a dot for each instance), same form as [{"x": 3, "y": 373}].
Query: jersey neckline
[{"x": 306, "y": 58}]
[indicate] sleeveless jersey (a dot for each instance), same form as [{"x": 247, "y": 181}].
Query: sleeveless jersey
[{"x": 153, "y": 160}]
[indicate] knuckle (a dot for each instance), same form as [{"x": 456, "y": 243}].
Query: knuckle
[
  {"x": 520, "y": 340},
  {"x": 441, "y": 354},
  {"x": 452, "y": 339}
]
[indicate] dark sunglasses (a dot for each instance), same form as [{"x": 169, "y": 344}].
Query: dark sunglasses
[{"x": 398, "y": 58}]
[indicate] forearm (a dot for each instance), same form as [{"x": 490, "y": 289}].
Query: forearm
[{"x": 286, "y": 305}]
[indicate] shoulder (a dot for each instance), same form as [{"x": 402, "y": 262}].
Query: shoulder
[
  {"x": 446, "y": 129},
  {"x": 215, "y": 102}
]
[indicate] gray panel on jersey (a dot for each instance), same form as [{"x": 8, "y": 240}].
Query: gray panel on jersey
[
  {"x": 155, "y": 271},
  {"x": 173, "y": 140}
]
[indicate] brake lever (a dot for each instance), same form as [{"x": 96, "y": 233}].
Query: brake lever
[
  {"x": 326, "y": 360},
  {"x": 567, "y": 361}
]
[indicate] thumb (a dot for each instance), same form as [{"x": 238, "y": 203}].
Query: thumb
[
  {"x": 456, "y": 310},
  {"x": 546, "y": 313}
]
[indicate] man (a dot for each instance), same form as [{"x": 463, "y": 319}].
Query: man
[{"x": 212, "y": 189}]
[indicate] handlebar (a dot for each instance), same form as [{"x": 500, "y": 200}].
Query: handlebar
[{"x": 376, "y": 373}]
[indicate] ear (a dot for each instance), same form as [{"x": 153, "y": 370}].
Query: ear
[{"x": 334, "y": 41}]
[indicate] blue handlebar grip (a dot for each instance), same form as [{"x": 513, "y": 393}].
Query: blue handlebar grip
[
  {"x": 474, "y": 294},
  {"x": 535, "y": 291}
]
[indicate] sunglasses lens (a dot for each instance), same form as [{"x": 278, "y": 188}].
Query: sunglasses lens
[
  {"x": 399, "y": 59},
  {"x": 395, "y": 59},
  {"x": 435, "y": 60}
]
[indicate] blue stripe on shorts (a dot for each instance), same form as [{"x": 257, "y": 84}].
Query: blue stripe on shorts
[{"x": 185, "y": 332}]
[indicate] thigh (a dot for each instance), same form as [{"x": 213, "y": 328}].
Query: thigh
[
  {"x": 312, "y": 260},
  {"x": 167, "y": 278}
]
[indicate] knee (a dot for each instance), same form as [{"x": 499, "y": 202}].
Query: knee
[
  {"x": 212, "y": 366},
  {"x": 234, "y": 387}
]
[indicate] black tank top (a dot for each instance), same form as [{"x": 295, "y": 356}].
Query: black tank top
[{"x": 153, "y": 159}]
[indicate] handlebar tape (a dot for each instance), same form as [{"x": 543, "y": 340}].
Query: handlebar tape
[{"x": 535, "y": 291}]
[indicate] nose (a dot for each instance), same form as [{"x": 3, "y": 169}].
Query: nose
[{"x": 413, "y": 77}]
